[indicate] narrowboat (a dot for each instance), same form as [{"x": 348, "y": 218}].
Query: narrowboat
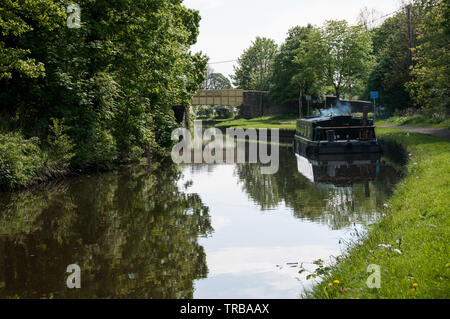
[{"x": 335, "y": 135}]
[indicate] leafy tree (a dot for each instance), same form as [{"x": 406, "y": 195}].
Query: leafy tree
[
  {"x": 215, "y": 81},
  {"x": 113, "y": 81},
  {"x": 310, "y": 69},
  {"x": 17, "y": 17},
  {"x": 431, "y": 73},
  {"x": 290, "y": 74},
  {"x": 220, "y": 82},
  {"x": 390, "y": 72},
  {"x": 343, "y": 53},
  {"x": 255, "y": 65}
]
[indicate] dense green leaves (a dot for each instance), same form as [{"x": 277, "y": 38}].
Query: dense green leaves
[
  {"x": 391, "y": 71},
  {"x": 255, "y": 65},
  {"x": 312, "y": 59},
  {"x": 113, "y": 81},
  {"x": 431, "y": 72},
  {"x": 345, "y": 51},
  {"x": 289, "y": 73},
  {"x": 350, "y": 61},
  {"x": 215, "y": 81},
  {"x": 18, "y": 17}
]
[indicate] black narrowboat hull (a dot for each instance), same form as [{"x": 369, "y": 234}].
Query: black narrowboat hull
[{"x": 307, "y": 147}]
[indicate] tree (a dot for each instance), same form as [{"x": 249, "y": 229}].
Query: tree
[
  {"x": 390, "y": 71},
  {"x": 285, "y": 79},
  {"x": 215, "y": 81},
  {"x": 16, "y": 19},
  {"x": 255, "y": 65},
  {"x": 220, "y": 82},
  {"x": 431, "y": 73},
  {"x": 114, "y": 80},
  {"x": 308, "y": 78},
  {"x": 342, "y": 54}
]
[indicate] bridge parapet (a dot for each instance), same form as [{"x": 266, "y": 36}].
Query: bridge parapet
[{"x": 219, "y": 97}]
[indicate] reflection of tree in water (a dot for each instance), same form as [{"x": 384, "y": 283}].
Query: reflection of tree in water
[
  {"x": 133, "y": 233},
  {"x": 337, "y": 207}
]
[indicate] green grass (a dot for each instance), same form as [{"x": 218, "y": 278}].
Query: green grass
[
  {"x": 418, "y": 214},
  {"x": 414, "y": 120},
  {"x": 281, "y": 121}
]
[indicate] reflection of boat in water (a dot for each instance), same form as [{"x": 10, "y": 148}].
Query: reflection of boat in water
[
  {"x": 335, "y": 135},
  {"x": 340, "y": 170}
]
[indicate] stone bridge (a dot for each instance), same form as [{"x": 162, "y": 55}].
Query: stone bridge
[{"x": 251, "y": 103}]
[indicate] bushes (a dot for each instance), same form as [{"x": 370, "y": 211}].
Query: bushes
[
  {"x": 221, "y": 112},
  {"x": 224, "y": 112},
  {"x": 60, "y": 148},
  {"x": 204, "y": 111},
  {"x": 21, "y": 160},
  {"x": 98, "y": 151}
]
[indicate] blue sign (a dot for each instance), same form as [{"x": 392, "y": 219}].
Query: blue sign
[{"x": 373, "y": 95}]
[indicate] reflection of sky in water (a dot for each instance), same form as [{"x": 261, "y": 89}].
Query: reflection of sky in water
[{"x": 248, "y": 245}]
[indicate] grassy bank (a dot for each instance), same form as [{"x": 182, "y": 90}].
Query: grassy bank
[
  {"x": 413, "y": 120},
  {"x": 281, "y": 121},
  {"x": 415, "y": 223}
]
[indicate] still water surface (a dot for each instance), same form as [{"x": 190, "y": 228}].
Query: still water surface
[{"x": 189, "y": 231}]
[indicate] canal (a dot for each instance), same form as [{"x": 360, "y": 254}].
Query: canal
[{"x": 189, "y": 231}]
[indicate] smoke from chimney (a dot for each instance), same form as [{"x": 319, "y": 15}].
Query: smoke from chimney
[{"x": 339, "y": 109}]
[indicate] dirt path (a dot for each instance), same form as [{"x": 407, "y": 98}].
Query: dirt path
[{"x": 440, "y": 132}]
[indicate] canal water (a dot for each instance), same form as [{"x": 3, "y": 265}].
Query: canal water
[{"x": 189, "y": 231}]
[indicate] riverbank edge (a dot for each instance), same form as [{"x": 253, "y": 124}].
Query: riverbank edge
[{"x": 410, "y": 241}]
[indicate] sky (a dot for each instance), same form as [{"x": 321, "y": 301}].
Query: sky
[{"x": 228, "y": 27}]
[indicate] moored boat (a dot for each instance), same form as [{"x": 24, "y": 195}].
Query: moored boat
[{"x": 335, "y": 135}]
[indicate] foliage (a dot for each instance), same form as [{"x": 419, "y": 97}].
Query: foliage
[
  {"x": 336, "y": 55},
  {"x": 18, "y": 17},
  {"x": 431, "y": 73},
  {"x": 204, "y": 111},
  {"x": 309, "y": 77},
  {"x": 114, "y": 80},
  {"x": 255, "y": 65},
  {"x": 343, "y": 54},
  {"x": 21, "y": 160},
  {"x": 215, "y": 81},
  {"x": 60, "y": 147},
  {"x": 289, "y": 74},
  {"x": 224, "y": 112},
  {"x": 390, "y": 72},
  {"x": 215, "y": 111}
]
